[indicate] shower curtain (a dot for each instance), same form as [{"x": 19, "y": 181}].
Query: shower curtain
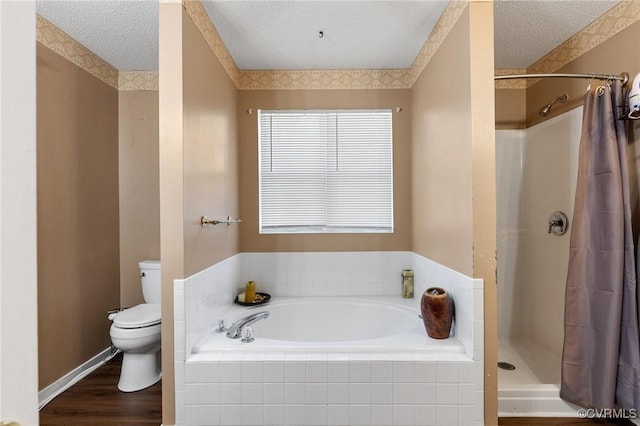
[{"x": 601, "y": 354}]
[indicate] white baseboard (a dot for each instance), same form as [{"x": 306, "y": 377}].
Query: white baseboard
[{"x": 47, "y": 394}]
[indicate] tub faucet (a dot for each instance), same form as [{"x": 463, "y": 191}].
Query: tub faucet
[{"x": 235, "y": 329}]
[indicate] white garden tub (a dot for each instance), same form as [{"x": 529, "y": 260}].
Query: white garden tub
[{"x": 333, "y": 324}]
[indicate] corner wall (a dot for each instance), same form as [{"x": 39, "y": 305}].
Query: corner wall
[
  {"x": 139, "y": 188},
  {"x": 453, "y": 167},
  {"x": 511, "y": 108},
  {"x": 198, "y": 166},
  {"x": 210, "y": 153},
  {"x": 78, "y": 247},
  {"x": 18, "y": 251},
  {"x": 441, "y": 157}
]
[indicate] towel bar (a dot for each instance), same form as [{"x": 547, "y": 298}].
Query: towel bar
[{"x": 204, "y": 221}]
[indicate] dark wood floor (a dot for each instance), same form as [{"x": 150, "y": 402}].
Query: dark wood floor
[{"x": 96, "y": 400}]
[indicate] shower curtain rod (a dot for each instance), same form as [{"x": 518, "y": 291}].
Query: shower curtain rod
[{"x": 623, "y": 77}]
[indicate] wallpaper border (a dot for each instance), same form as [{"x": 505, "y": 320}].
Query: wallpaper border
[{"x": 64, "y": 45}]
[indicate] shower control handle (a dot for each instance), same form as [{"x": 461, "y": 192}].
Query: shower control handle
[
  {"x": 558, "y": 223},
  {"x": 553, "y": 223}
]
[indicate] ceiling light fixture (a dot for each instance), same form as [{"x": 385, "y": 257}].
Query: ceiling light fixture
[{"x": 320, "y": 34}]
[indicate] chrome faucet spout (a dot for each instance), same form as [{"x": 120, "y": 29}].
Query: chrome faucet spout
[{"x": 235, "y": 330}]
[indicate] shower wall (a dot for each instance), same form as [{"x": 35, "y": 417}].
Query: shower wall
[{"x": 536, "y": 175}]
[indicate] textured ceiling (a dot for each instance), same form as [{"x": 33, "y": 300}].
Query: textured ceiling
[
  {"x": 122, "y": 32},
  {"x": 362, "y": 34},
  {"x": 268, "y": 35},
  {"x": 526, "y": 30}
]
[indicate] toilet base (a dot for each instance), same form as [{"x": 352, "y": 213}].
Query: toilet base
[{"x": 139, "y": 371}]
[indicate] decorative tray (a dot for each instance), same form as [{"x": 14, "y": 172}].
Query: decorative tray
[{"x": 261, "y": 299}]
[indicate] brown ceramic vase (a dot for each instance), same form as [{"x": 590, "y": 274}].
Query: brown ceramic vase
[{"x": 437, "y": 312}]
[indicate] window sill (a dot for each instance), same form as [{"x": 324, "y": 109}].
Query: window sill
[{"x": 324, "y": 230}]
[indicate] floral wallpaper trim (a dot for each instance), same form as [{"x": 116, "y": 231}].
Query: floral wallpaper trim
[
  {"x": 201, "y": 19},
  {"x": 64, "y": 45},
  {"x": 323, "y": 79},
  {"x": 608, "y": 25},
  {"x": 439, "y": 33},
  {"x": 138, "y": 80},
  {"x": 510, "y": 84},
  {"x": 618, "y": 18}
]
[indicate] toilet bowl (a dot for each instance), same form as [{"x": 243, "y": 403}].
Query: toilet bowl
[{"x": 136, "y": 332}]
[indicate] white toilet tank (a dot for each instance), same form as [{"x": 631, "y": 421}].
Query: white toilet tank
[{"x": 151, "y": 283}]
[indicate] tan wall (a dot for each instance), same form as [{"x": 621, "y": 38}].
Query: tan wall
[
  {"x": 614, "y": 56},
  {"x": 210, "y": 153},
  {"x": 441, "y": 155},
  {"x": 484, "y": 188},
  {"x": 139, "y": 188},
  {"x": 453, "y": 166},
  {"x": 171, "y": 186},
  {"x": 198, "y": 166},
  {"x": 511, "y": 108},
  {"x": 251, "y": 240},
  {"x": 78, "y": 257}
]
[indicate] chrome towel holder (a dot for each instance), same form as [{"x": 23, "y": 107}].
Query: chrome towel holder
[{"x": 204, "y": 221}]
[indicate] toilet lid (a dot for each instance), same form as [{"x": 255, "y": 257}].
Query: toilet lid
[{"x": 139, "y": 316}]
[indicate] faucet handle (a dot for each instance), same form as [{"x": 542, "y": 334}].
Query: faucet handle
[
  {"x": 558, "y": 223},
  {"x": 247, "y": 335},
  {"x": 221, "y": 328}
]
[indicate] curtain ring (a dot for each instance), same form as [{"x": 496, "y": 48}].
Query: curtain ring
[
  {"x": 589, "y": 85},
  {"x": 600, "y": 90}
]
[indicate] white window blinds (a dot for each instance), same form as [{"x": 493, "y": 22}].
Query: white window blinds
[{"x": 325, "y": 171}]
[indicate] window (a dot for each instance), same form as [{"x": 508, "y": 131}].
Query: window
[{"x": 325, "y": 171}]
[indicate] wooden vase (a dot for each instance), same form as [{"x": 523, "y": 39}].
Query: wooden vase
[{"x": 437, "y": 312}]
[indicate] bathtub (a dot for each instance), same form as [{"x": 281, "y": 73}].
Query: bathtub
[
  {"x": 335, "y": 325},
  {"x": 346, "y": 354},
  {"x": 332, "y": 361}
]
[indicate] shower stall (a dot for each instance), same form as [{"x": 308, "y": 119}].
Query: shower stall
[{"x": 536, "y": 177}]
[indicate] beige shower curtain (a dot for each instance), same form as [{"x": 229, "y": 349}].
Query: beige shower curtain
[{"x": 601, "y": 355}]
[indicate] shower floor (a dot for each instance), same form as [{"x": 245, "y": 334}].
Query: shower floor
[
  {"x": 532, "y": 389},
  {"x": 534, "y": 365}
]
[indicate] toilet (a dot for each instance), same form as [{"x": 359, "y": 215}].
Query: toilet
[{"x": 136, "y": 332}]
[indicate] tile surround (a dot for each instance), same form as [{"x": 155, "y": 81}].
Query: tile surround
[
  {"x": 324, "y": 388},
  {"x": 309, "y": 403}
]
